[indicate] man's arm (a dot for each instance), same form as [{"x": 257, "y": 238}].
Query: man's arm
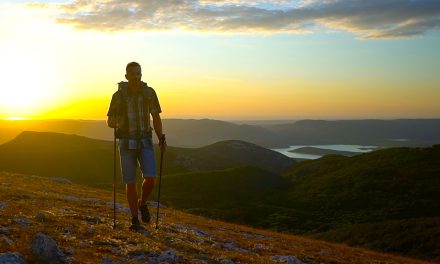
[
  {"x": 157, "y": 124},
  {"x": 112, "y": 121}
]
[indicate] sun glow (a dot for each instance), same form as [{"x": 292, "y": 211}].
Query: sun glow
[
  {"x": 26, "y": 84},
  {"x": 28, "y": 66}
]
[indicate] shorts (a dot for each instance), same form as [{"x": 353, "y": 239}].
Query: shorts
[{"x": 143, "y": 156}]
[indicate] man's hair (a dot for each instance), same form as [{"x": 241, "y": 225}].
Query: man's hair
[{"x": 132, "y": 64}]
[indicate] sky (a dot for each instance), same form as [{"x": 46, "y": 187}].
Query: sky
[{"x": 223, "y": 59}]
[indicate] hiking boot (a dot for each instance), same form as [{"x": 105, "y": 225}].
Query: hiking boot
[
  {"x": 145, "y": 214},
  {"x": 135, "y": 224}
]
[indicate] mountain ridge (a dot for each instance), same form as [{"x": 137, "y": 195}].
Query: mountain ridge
[{"x": 201, "y": 132}]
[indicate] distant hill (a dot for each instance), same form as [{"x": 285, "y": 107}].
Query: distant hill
[
  {"x": 399, "y": 132},
  {"x": 226, "y": 154},
  {"x": 77, "y": 158},
  {"x": 201, "y": 132},
  {"x": 90, "y": 161},
  {"x": 180, "y": 132}
]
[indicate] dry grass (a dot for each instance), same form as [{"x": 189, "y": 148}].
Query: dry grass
[{"x": 86, "y": 226}]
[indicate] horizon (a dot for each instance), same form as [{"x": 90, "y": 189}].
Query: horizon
[
  {"x": 253, "y": 121},
  {"x": 223, "y": 60}
]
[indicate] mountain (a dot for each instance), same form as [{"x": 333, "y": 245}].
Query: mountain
[
  {"x": 51, "y": 221},
  {"x": 180, "y": 132},
  {"x": 197, "y": 133},
  {"x": 201, "y": 132},
  {"x": 399, "y": 132},
  {"x": 90, "y": 161}
]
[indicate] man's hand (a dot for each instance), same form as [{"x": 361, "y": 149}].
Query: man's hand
[
  {"x": 162, "y": 143},
  {"x": 112, "y": 122}
]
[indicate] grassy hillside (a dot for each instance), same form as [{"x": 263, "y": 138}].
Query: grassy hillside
[
  {"x": 80, "y": 159},
  {"x": 386, "y": 200},
  {"x": 79, "y": 220},
  {"x": 230, "y": 194}
]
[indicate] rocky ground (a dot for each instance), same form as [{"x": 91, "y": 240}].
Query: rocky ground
[{"x": 54, "y": 221}]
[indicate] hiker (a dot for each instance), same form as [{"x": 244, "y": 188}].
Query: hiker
[{"x": 129, "y": 113}]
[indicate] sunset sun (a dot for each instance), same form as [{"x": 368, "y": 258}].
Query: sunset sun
[{"x": 25, "y": 83}]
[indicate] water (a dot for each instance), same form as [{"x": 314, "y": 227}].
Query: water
[{"x": 297, "y": 155}]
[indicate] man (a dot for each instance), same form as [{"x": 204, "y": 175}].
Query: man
[{"x": 129, "y": 113}]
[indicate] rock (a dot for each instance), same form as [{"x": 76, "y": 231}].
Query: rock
[
  {"x": 230, "y": 246},
  {"x": 11, "y": 258},
  {"x": 24, "y": 222},
  {"x": 70, "y": 251},
  {"x": 287, "y": 259},
  {"x": 3, "y": 205},
  {"x": 84, "y": 244},
  {"x": 252, "y": 235},
  {"x": 46, "y": 249},
  {"x": 154, "y": 204},
  {"x": 194, "y": 230},
  {"x": 91, "y": 200},
  {"x": 67, "y": 231},
  {"x": 93, "y": 220},
  {"x": 62, "y": 211},
  {"x": 138, "y": 255},
  {"x": 259, "y": 246},
  {"x": 4, "y": 240},
  {"x": 226, "y": 261},
  {"x": 199, "y": 261},
  {"x": 71, "y": 198},
  {"x": 91, "y": 230},
  {"x": 119, "y": 207},
  {"x": 61, "y": 180},
  {"x": 5, "y": 230},
  {"x": 110, "y": 261},
  {"x": 168, "y": 256},
  {"x": 40, "y": 217}
]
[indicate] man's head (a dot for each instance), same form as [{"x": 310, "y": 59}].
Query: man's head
[{"x": 133, "y": 73}]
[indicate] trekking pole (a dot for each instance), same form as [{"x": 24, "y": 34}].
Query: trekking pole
[
  {"x": 160, "y": 181},
  {"x": 114, "y": 178}
]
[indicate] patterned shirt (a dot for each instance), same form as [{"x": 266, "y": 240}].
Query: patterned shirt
[{"x": 132, "y": 110}]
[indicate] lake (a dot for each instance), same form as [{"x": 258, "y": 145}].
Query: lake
[{"x": 351, "y": 148}]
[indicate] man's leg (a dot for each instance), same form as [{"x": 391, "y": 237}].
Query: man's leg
[
  {"x": 148, "y": 167},
  {"x": 132, "y": 198},
  {"x": 147, "y": 188},
  {"x": 128, "y": 166}
]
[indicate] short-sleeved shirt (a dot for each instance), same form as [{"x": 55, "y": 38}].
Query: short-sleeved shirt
[{"x": 133, "y": 109}]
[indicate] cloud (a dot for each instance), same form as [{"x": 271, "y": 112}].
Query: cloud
[{"x": 366, "y": 19}]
